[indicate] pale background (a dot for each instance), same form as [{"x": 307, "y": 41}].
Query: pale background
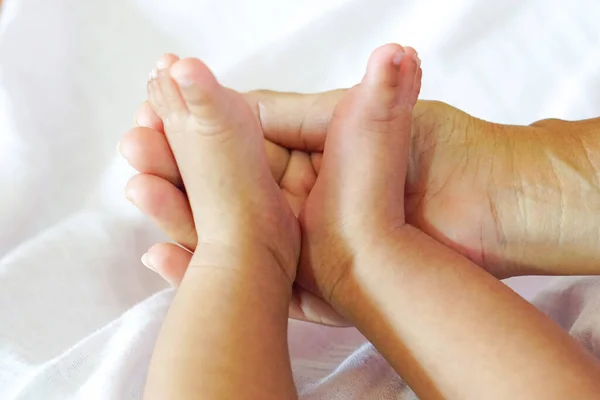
[{"x": 78, "y": 312}]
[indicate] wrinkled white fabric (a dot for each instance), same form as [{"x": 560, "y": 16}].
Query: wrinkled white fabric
[{"x": 78, "y": 312}]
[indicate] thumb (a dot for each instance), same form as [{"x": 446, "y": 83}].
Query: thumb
[{"x": 293, "y": 120}]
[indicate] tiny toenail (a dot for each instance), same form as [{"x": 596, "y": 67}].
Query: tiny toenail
[
  {"x": 162, "y": 63},
  {"x": 398, "y": 58},
  {"x": 147, "y": 261},
  {"x": 154, "y": 74},
  {"x": 416, "y": 58},
  {"x": 183, "y": 81}
]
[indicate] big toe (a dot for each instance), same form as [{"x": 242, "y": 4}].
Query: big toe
[
  {"x": 187, "y": 95},
  {"x": 206, "y": 100},
  {"x": 391, "y": 84}
]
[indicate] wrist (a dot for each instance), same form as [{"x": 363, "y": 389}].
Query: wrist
[{"x": 546, "y": 197}]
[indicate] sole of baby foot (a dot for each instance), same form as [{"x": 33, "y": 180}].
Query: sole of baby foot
[
  {"x": 218, "y": 144},
  {"x": 369, "y": 135},
  {"x": 359, "y": 193}
]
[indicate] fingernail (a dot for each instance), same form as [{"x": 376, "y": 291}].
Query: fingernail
[
  {"x": 147, "y": 261},
  {"x": 153, "y": 74},
  {"x": 128, "y": 195},
  {"x": 119, "y": 148}
]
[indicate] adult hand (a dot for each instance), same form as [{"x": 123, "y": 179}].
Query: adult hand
[{"x": 516, "y": 200}]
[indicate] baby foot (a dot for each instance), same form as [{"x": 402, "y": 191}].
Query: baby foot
[
  {"x": 359, "y": 194},
  {"x": 218, "y": 144}
]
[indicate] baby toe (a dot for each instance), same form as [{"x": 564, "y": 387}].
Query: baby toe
[{"x": 163, "y": 93}]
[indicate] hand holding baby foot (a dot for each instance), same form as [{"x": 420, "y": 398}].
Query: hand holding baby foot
[
  {"x": 248, "y": 243},
  {"x": 159, "y": 192},
  {"x": 296, "y": 180},
  {"x": 450, "y": 191}
]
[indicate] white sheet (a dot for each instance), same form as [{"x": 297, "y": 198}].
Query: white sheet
[{"x": 78, "y": 312}]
